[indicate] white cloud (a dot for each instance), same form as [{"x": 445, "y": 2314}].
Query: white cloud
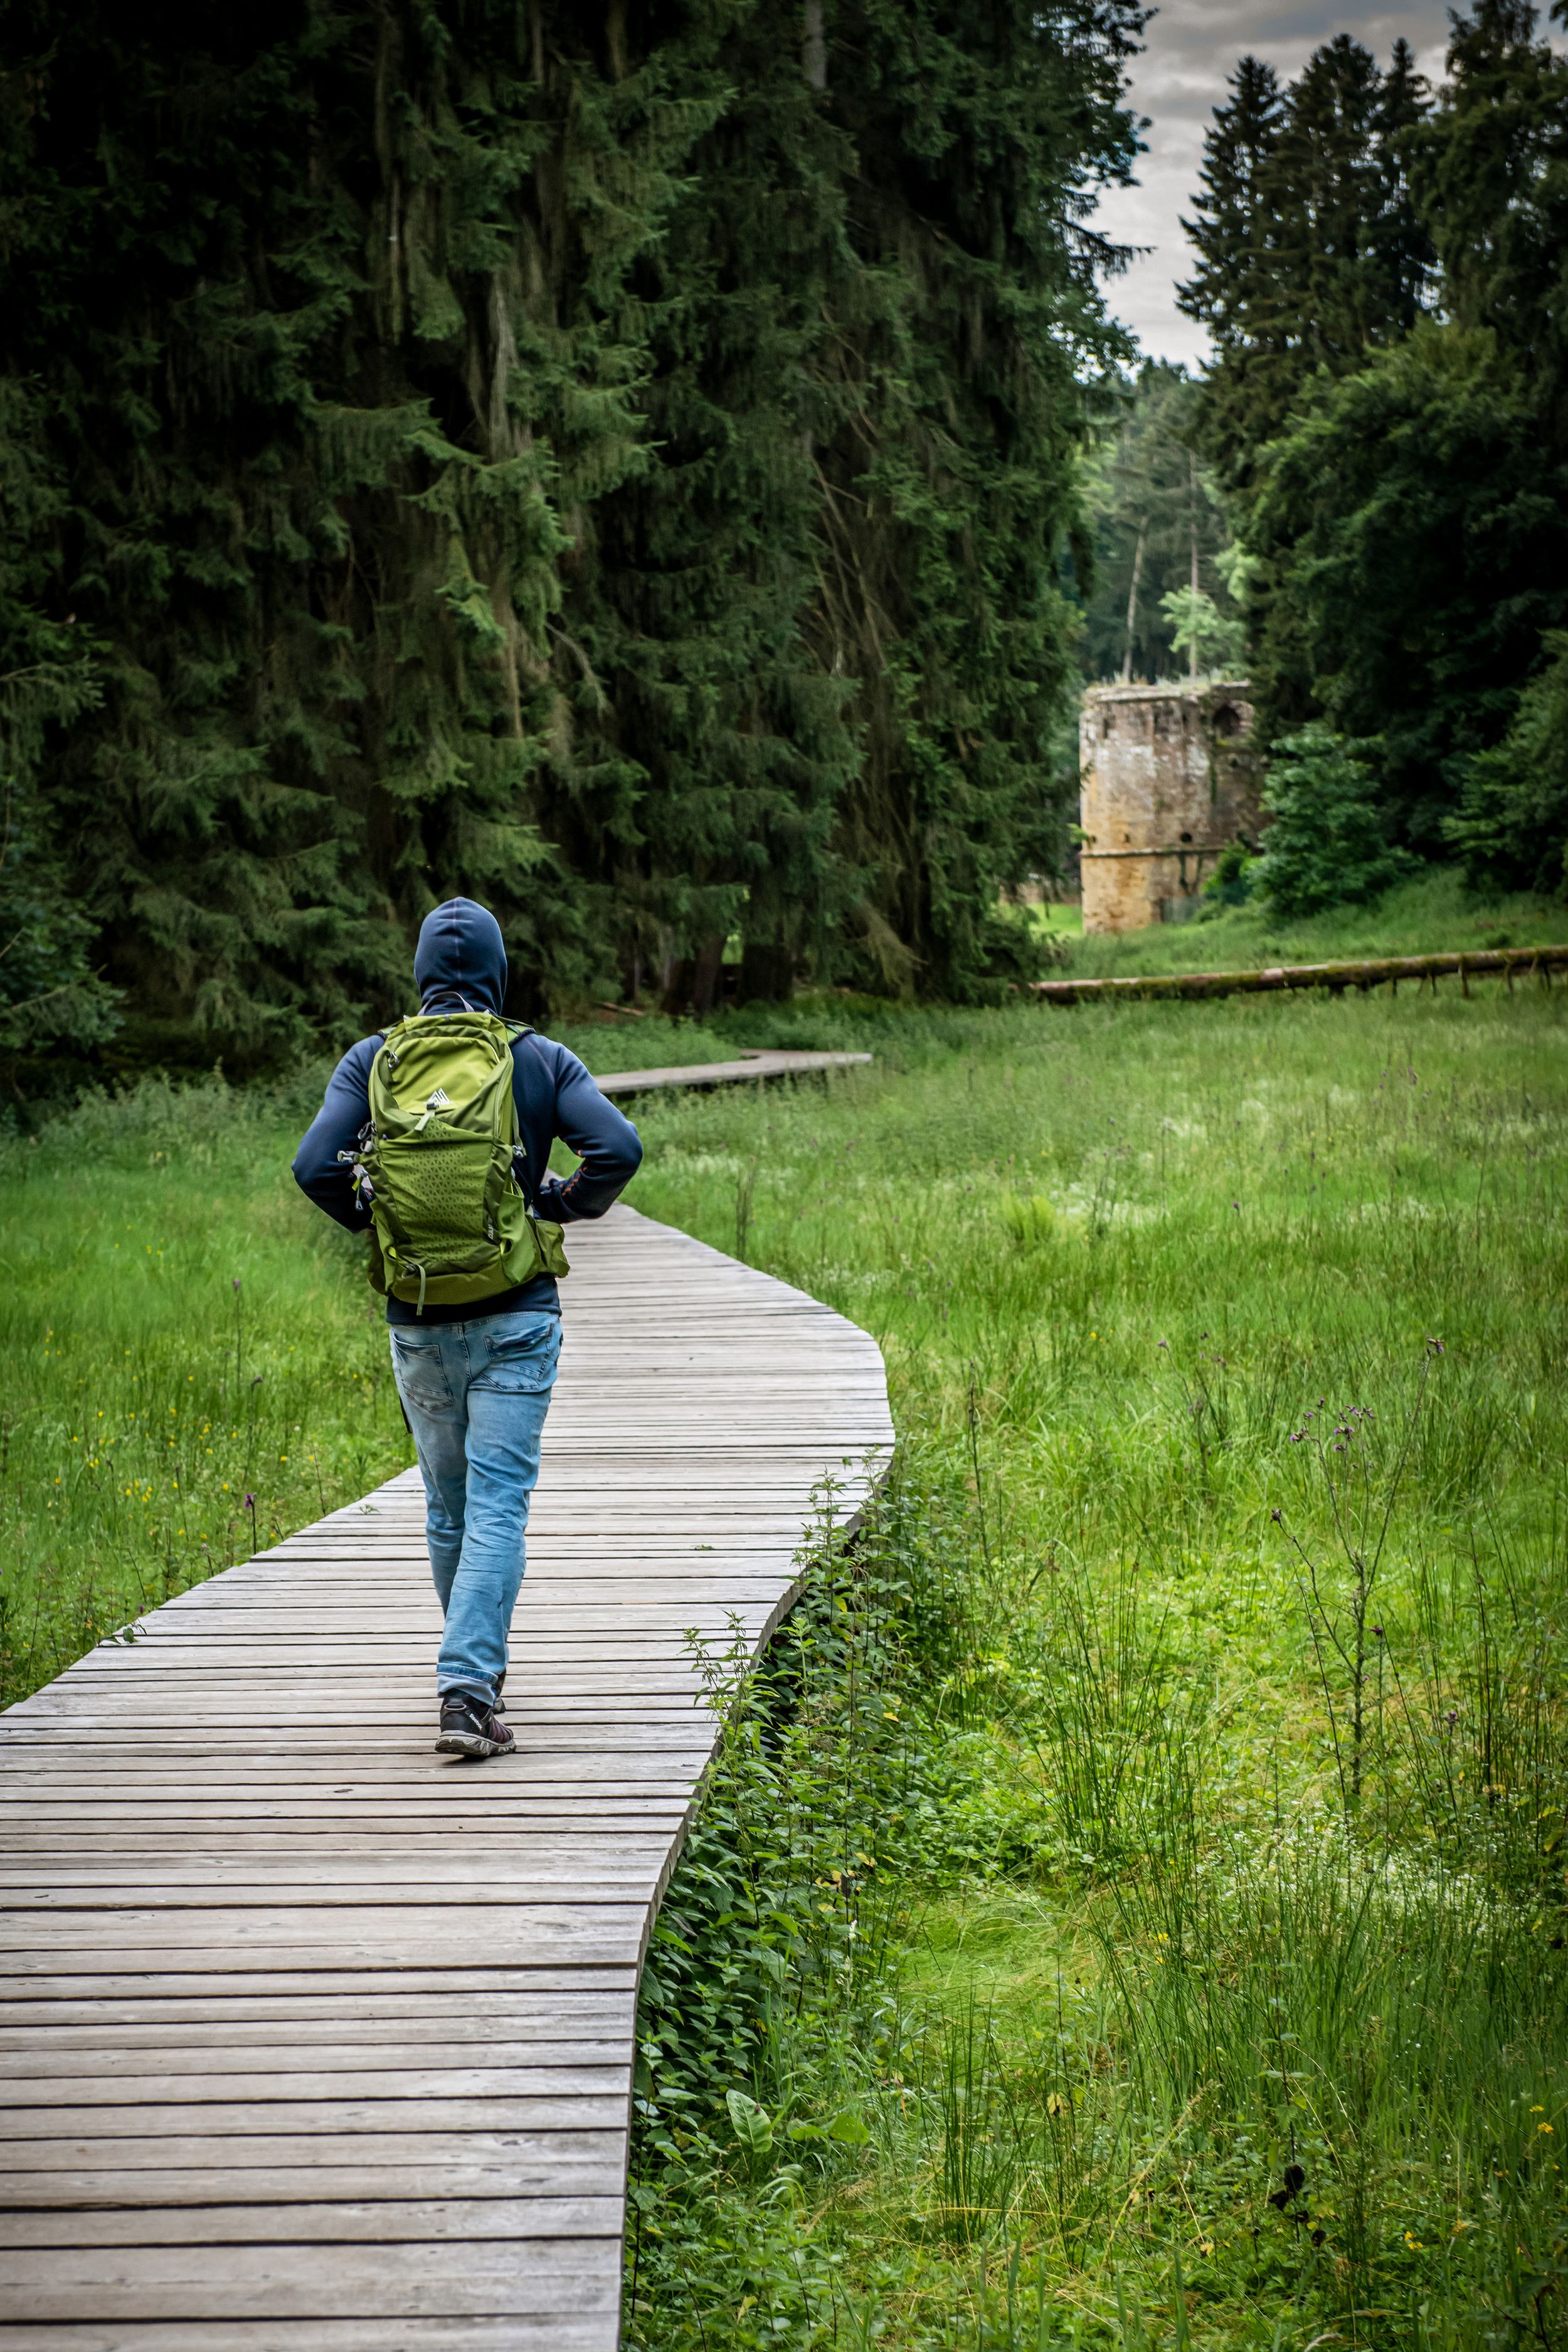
[{"x": 1191, "y": 46}]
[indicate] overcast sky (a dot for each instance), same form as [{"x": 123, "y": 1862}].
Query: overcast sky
[{"x": 1191, "y": 48}]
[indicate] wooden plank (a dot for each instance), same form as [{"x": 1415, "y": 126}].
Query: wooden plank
[
  {"x": 343, "y": 2222},
  {"x": 756, "y": 1065},
  {"x": 443, "y": 2277},
  {"x": 108, "y": 2066},
  {"x": 533, "y": 2160},
  {"x": 554, "y": 2332},
  {"x": 232, "y": 2172},
  {"x": 312, "y": 2038}
]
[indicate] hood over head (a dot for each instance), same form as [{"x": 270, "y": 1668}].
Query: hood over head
[{"x": 460, "y": 962}]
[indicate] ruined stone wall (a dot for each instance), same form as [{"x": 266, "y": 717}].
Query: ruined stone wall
[{"x": 1167, "y": 778}]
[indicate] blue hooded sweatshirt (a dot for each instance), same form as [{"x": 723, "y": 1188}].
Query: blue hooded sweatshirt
[{"x": 460, "y": 967}]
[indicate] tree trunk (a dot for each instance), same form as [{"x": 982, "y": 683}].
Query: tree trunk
[
  {"x": 767, "y": 972},
  {"x": 813, "y": 46},
  {"x": 1193, "y": 521},
  {"x": 1133, "y": 599}
]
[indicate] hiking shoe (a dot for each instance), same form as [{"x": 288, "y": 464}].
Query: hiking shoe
[{"x": 472, "y": 1728}]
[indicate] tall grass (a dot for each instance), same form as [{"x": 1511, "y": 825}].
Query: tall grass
[
  {"x": 1135, "y": 1911},
  {"x": 190, "y": 1361},
  {"x": 1233, "y": 2006}
]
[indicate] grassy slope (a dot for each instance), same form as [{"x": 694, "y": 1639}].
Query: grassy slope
[
  {"x": 1115, "y": 1257},
  {"x": 1431, "y": 916}
]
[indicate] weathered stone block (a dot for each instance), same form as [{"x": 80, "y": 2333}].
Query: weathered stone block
[{"x": 1167, "y": 779}]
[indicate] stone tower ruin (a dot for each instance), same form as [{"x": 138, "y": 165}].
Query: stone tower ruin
[{"x": 1167, "y": 778}]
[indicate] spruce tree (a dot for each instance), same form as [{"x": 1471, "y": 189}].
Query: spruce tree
[
  {"x": 965, "y": 312},
  {"x": 1311, "y": 252},
  {"x": 1402, "y": 479},
  {"x": 1490, "y": 176},
  {"x": 1236, "y": 288},
  {"x": 615, "y": 463}
]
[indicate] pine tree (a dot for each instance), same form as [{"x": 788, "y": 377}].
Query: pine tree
[
  {"x": 618, "y": 465},
  {"x": 51, "y": 1001},
  {"x": 1235, "y": 289},
  {"x": 1402, "y": 485},
  {"x": 1310, "y": 251},
  {"x": 1490, "y": 175},
  {"x": 952, "y": 418}
]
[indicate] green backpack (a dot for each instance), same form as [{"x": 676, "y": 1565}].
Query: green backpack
[{"x": 451, "y": 1223}]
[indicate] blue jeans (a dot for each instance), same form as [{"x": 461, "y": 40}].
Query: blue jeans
[{"x": 476, "y": 1394}]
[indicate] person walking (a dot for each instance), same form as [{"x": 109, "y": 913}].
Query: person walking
[{"x": 434, "y": 1137}]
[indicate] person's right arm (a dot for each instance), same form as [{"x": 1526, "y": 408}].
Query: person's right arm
[{"x": 318, "y": 1170}]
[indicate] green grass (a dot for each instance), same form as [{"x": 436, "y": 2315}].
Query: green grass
[
  {"x": 1432, "y": 916},
  {"x": 1109, "y": 1852},
  {"x": 179, "y": 1330},
  {"x": 1191, "y": 1903}
]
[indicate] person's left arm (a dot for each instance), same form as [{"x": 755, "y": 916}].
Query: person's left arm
[{"x": 604, "y": 1140}]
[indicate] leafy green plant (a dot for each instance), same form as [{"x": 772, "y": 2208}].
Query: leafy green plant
[
  {"x": 1327, "y": 842},
  {"x": 1212, "y": 639},
  {"x": 1233, "y": 881},
  {"x": 1511, "y": 825}
]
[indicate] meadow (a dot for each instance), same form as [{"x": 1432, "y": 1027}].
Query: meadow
[
  {"x": 1433, "y": 914},
  {"x": 1217, "y": 1899},
  {"x": 1132, "y": 1908}
]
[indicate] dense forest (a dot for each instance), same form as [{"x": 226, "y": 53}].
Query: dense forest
[
  {"x": 1157, "y": 594},
  {"x": 1383, "y": 271},
  {"x": 622, "y": 462},
  {"x": 667, "y": 470}
]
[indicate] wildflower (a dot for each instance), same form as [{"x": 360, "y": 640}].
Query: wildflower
[{"x": 1378, "y": 1632}]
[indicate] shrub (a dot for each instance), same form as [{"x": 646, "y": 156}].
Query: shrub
[
  {"x": 1511, "y": 828},
  {"x": 1233, "y": 881},
  {"x": 1327, "y": 844}
]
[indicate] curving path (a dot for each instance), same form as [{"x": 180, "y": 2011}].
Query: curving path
[{"x": 312, "y": 2039}]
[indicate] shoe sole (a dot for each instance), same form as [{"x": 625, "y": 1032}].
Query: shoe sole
[{"x": 472, "y": 1743}]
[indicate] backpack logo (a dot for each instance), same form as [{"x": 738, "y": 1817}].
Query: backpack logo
[{"x": 439, "y": 1100}]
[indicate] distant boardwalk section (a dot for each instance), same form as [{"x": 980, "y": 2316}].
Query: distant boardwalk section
[{"x": 315, "y": 2040}]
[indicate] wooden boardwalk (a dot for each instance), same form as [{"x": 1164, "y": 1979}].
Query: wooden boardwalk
[
  {"x": 316, "y": 2040},
  {"x": 756, "y": 1063}
]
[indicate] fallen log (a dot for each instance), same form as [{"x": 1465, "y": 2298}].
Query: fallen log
[{"x": 1362, "y": 974}]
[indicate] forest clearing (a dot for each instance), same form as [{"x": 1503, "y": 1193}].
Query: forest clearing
[
  {"x": 868, "y": 533},
  {"x": 1117, "y": 1916}
]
